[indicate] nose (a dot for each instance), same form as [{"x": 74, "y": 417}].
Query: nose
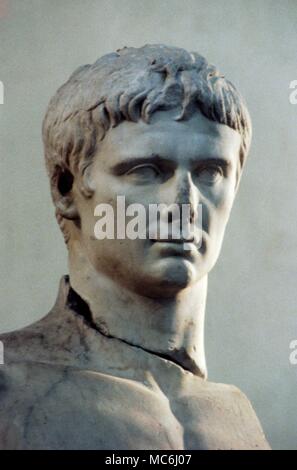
[{"x": 185, "y": 193}]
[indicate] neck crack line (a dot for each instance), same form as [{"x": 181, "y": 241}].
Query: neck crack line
[{"x": 80, "y": 307}]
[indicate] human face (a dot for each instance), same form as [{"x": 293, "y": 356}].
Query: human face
[{"x": 193, "y": 162}]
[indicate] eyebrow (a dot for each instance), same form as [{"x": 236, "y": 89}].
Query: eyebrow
[
  {"x": 155, "y": 159},
  {"x": 219, "y": 161}
]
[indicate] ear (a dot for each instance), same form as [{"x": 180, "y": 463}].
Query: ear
[{"x": 62, "y": 191}]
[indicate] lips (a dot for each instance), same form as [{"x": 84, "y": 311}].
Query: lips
[
  {"x": 173, "y": 240},
  {"x": 184, "y": 248}
]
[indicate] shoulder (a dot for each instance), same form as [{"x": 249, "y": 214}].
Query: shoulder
[
  {"x": 47, "y": 339},
  {"x": 243, "y": 416},
  {"x": 20, "y": 340},
  {"x": 24, "y": 344},
  {"x": 226, "y": 409},
  {"x": 55, "y": 339},
  {"x": 34, "y": 363}
]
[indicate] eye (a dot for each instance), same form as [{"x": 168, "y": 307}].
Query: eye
[
  {"x": 144, "y": 173},
  {"x": 210, "y": 174}
]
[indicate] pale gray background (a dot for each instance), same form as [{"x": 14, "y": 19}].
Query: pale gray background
[{"x": 251, "y": 314}]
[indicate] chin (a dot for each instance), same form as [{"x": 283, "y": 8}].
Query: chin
[{"x": 168, "y": 277}]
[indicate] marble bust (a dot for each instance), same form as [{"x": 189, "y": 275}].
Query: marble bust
[{"x": 119, "y": 363}]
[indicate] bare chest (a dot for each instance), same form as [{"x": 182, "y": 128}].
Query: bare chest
[{"x": 67, "y": 409}]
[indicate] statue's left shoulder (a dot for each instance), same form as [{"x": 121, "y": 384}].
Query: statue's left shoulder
[
  {"x": 218, "y": 416},
  {"x": 241, "y": 416}
]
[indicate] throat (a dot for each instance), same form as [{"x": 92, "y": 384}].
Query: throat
[
  {"x": 171, "y": 329},
  {"x": 178, "y": 357}
]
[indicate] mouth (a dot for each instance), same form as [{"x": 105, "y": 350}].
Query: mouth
[
  {"x": 173, "y": 247},
  {"x": 173, "y": 240}
]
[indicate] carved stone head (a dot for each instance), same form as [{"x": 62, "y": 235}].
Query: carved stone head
[{"x": 157, "y": 125}]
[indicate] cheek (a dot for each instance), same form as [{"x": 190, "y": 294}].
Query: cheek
[
  {"x": 223, "y": 197},
  {"x": 216, "y": 211}
]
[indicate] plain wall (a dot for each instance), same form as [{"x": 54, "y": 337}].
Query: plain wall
[{"x": 251, "y": 311}]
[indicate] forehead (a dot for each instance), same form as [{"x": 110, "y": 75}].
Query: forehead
[{"x": 163, "y": 135}]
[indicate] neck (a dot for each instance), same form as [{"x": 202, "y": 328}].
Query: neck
[{"x": 170, "y": 328}]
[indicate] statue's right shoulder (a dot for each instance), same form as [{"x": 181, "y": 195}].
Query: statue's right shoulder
[
  {"x": 49, "y": 340},
  {"x": 33, "y": 361},
  {"x": 22, "y": 352},
  {"x": 26, "y": 343}
]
